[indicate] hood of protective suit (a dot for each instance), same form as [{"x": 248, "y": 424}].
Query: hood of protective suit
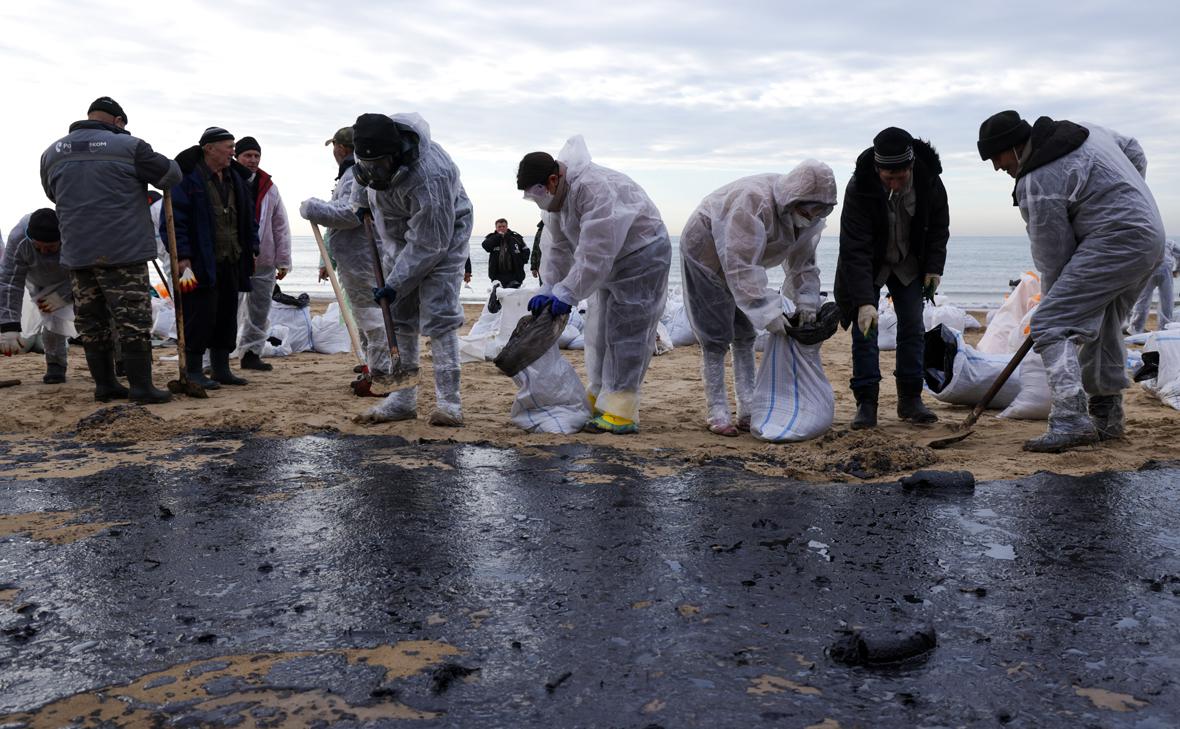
[
  {"x": 810, "y": 181},
  {"x": 415, "y": 121},
  {"x": 575, "y": 155}
]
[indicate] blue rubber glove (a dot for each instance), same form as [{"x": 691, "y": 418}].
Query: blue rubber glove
[
  {"x": 384, "y": 293},
  {"x": 538, "y": 303},
  {"x": 558, "y": 307}
]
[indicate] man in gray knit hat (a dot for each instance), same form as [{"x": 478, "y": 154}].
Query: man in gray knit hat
[{"x": 1096, "y": 238}]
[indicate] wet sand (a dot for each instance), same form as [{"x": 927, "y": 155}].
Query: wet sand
[{"x": 309, "y": 393}]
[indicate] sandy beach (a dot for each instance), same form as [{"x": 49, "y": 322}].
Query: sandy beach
[{"x": 308, "y": 394}]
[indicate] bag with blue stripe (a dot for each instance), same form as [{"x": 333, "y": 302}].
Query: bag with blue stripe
[{"x": 793, "y": 400}]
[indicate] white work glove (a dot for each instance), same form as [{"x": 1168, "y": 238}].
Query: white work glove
[
  {"x": 778, "y": 325},
  {"x": 805, "y": 316},
  {"x": 866, "y": 318},
  {"x": 304, "y": 207},
  {"x": 11, "y": 343}
]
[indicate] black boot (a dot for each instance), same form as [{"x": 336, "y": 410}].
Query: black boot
[
  {"x": 219, "y": 362},
  {"x": 194, "y": 369},
  {"x": 866, "y": 407},
  {"x": 251, "y": 361},
  {"x": 55, "y": 374},
  {"x": 101, "y": 362},
  {"x": 909, "y": 404},
  {"x": 138, "y": 364}
]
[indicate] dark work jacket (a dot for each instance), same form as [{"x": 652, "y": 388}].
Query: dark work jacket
[
  {"x": 519, "y": 256},
  {"x": 193, "y": 215},
  {"x": 864, "y": 228}
]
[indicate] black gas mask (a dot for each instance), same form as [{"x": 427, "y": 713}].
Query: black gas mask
[{"x": 385, "y": 150}]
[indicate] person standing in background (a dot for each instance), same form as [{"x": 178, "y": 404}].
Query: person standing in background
[{"x": 274, "y": 254}]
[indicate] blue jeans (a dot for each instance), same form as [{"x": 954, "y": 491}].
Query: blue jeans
[{"x": 911, "y": 331}]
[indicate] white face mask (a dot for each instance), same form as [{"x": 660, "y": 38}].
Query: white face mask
[
  {"x": 800, "y": 221},
  {"x": 538, "y": 194}
]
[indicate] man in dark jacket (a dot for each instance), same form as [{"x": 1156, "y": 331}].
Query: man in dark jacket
[
  {"x": 216, "y": 242},
  {"x": 96, "y": 175},
  {"x": 893, "y": 232},
  {"x": 509, "y": 255},
  {"x": 535, "y": 259}
]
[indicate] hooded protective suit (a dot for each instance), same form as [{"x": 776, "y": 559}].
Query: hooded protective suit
[
  {"x": 1096, "y": 237},
  {"x": 734, "y": 235},
  {"x": 350, "y": 246},
  {"x": 424, "y": 222},
  {"x": 607, "y": 241}
]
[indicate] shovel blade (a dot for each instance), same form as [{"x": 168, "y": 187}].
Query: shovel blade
[
  {"x": 399, "y": 377},
  {"x": 947, "y": 439},
  {"x": 187, "y": 387}
]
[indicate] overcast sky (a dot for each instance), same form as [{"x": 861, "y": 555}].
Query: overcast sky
[{"x": 681, "y": 95}]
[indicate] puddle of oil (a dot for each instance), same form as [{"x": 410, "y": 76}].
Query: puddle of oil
[{"x": 139, "y": 703}]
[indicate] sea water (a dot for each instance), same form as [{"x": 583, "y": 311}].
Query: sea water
[{"x": 978, "y": 269}]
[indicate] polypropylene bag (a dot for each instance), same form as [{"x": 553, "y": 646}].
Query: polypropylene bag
[
  {"x": 163, "y": 319},
  {"x": 1022, "y": 300},
  {"x": 328, "y": 333},
  {"x": 679, "y": 328},
  {"x": 793, "y": 399},
  {"x": 283, "y": 348},
  {"x": 1034, "y": 399},
  {"x": 959, "y": 374},
  {"x": 298, "y": 322},
  {"x": 551, "y": 398},
  {"x": 1165, "y": 385},
  {"x": 886, "y": 325},
  {"x": 949, "y": 314}
]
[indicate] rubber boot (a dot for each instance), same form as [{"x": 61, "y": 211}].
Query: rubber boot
[
  {"x": 1106, "y": 411},
  {"x": 1069, "y": 426},
  {"x": 251, "y": 361},
  {"x": 194, "y": 360},
  {"x": 55, "y": 374},
  {"x": 866, "y": 407},
  {"x": 219, "y": 362},
  {"x": 909, "y": 404},
  {"x": 743, "y": 381},
  {"x": 138, "y": 365},
  {"x": 101, "y": 363},
  {"x": 713, "y": 374}
]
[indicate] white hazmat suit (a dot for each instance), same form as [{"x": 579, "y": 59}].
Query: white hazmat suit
[
  {"x": 1096, "y": 238},
  {"x": 424, "y": 223},
  {"x": 728, "y": 243},
  {"x": 608, "y": 242}
]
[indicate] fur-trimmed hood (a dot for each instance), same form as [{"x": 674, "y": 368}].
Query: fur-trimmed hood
[{"x": 867, "y": 181}]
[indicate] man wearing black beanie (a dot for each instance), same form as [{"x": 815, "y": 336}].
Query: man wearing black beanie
[
  {"x": 274, "y": 257},
  {"x": 96, "y": 176},
  {"x": 893, "y": 233},
  {"x": 31, "y": 259},
  {"x": 1096, "y": 238}
]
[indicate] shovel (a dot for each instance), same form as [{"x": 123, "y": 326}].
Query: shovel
[
  {"x": 958, "y": 432},
  {"x": 362, "y": 386},
  {"x": 181, "y": 386},
  {"x": 398, "y": 374}
]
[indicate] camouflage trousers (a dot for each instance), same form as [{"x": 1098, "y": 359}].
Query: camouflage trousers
[{"x": 115, "y": 299}]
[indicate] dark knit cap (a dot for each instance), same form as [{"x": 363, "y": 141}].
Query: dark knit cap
[
  {"x": 1002, "y": 131},
  {"x": 893, "y": 149},
  {"x": 109, "y": 105},
  {"x": 245, "y": 144},
  {"x": 535, "y": 169},
  {"x": 43, "y": 226},
  {"x": 375, "y": 135},
  {"x": 215, "y": 134}
]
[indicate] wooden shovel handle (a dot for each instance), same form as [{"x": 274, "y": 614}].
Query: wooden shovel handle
[{"x": 1001, "y": 379}]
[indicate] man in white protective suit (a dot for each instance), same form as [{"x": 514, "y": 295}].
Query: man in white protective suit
[
  {"x": 728, "y": 243},
  {"x": 603, "y": 239},
  {"x": 411, "y": 188},
  {"x": 1096, "y": 237},
  {"x": 32, "y": 260},
  {"x": 351, "y": 248}
]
